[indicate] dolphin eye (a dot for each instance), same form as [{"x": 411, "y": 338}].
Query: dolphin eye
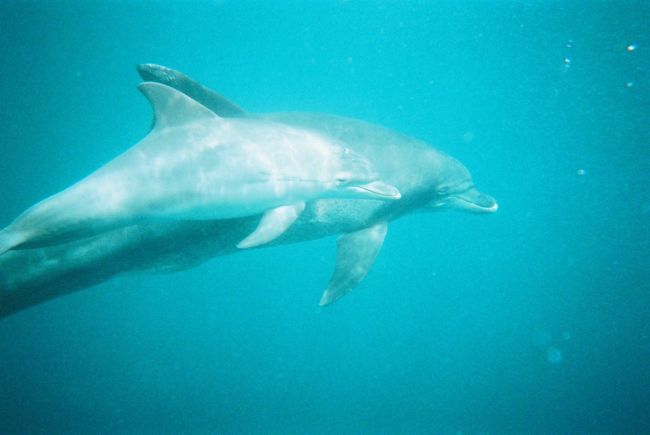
[
  {"x": 343, "y": 177},
  {"x": 443, "y": 190}
]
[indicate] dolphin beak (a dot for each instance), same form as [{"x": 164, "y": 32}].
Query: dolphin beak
[
  {"x": 377, "y": 190},
  {"x": 475, "y": 202},
  {"x": 470, "y": 200}
]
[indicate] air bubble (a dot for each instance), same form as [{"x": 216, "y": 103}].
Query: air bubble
[{"x": 553, "y": 355}]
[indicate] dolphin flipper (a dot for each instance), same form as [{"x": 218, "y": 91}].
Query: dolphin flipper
[
  {"x": 274, "y": 222},
  {"x": 193, "y": 89},
  {"x": 355, "y": 254}
]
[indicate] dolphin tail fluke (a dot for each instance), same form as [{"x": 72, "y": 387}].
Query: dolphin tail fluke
[
  {"x": 9, "y": 240},
  {"x": 355, "y": 254}
]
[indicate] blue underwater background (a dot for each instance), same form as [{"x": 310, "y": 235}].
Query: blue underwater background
[{"x": 535, "y": 319}]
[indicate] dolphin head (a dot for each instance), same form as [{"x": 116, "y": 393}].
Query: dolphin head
[
  {"x": 357, "y": 177},
  {"x": 455, "y": 190}
]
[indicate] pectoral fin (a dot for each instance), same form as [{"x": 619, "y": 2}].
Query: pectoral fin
[
  {"x": 274, "y": 222},
  {"x": 355, "y": 254}
]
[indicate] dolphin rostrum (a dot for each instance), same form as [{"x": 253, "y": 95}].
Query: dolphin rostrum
[
  {"x": 195, "y": 164},
  {"x": 427, "y": 179}
]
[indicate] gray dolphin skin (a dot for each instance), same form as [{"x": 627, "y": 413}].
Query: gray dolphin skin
[
  {"x": 195, "y": 164},
  {"x": 427, "y": 179}
]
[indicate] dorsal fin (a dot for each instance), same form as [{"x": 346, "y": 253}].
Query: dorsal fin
[
  {"x": 172, "y": 108},
  {"x": 190, "y": 87}
]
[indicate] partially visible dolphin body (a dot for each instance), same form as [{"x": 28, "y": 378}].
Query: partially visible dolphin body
[
  {"x": 195, "y": 164},
  {"x": 427, "y": 179}
]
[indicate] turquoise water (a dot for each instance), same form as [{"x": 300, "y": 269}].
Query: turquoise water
[{"x": 534, "y": 319}]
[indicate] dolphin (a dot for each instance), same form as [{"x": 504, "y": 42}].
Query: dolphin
[
  {"x": 195, "y": 164},
  {"x": 428, "y": 180}
]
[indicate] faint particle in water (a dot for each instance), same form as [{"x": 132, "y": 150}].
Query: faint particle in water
[
  {"x": 580, "y": 172},
  {"x": 553, "y": 355},
  {"x": 468, "y": 136},
  {"x": 569, "y": 43},
  {"x": 570, "y": 261},
  {"x": 629, "y": 84},
  {"x": 631, "y": 47},
  {"x": 566, "y": 335},
  {"x": 567, "y": 62},
  {"x": 542, "y": 338}
]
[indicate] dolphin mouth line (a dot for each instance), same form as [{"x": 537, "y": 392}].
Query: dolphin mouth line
[
  {"x": 460, "y": 202},
  {"x": 491, "y": 209}
]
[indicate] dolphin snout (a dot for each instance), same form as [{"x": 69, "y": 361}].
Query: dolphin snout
[
  {"x": 477, "y": 202},
  {"x": 470, "y": 200}
]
